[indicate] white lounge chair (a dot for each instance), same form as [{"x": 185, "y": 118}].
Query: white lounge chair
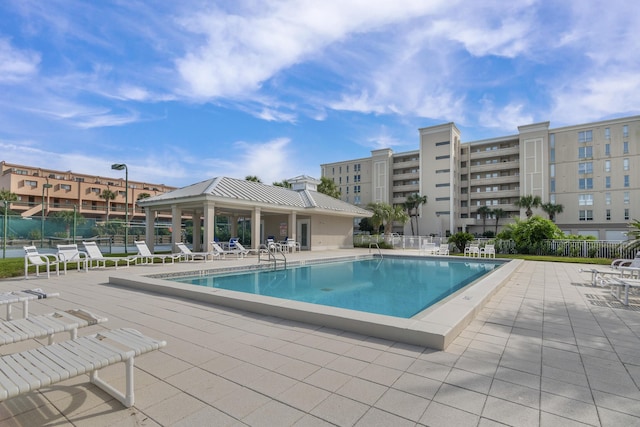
[
  {"x": 70, "y": 253},
  {"x": 628, "y": 266},
  {"x": 239, "y": 247},
  {"x": 94, "y": 255},
  {"x": 429, "y": 248},
  {"x": 15, "y": 297},
  {"x": 489, "y": 251},
  {"x": 223, "y": 252},
  {"x": 47, "y": 325},
  {"x": 188, "y": 255},
  {"x": 40, "y": 367},
  {"x": 443, "y": 249},
  {"x": 147, "y": 257},
  {"x": 619, "y": 284},
  {"x": 33, "y": 257},
  {"x": 291, "y": 245},
  {"x": 473, "y": 250}
]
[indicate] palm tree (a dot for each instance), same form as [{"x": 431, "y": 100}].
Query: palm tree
[
  {"x": 498, "y": 213},
  {"x": 108, "y": 195},
  {"x": 328, "y": 187},
  {"x": 7, "y": 196},
  {"x": 252, "y": 178},
  {"x": 528, "y": 202},
  {"x": 484, "y": 211},
  {"x": 284, "y": 183},
  {"x": 412, "y": 204},
  {"x": 385, "y": 214},
  {"x": 552, "y": 209},
  {"x": 68, "y": 218}
]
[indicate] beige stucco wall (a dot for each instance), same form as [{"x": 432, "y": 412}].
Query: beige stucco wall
[{"x": 329, "y": 232}]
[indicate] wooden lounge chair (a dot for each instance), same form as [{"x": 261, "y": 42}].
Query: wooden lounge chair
[
  {"x": 94, "y": 255},
  {"x": 33, "y": 257},
  {"x": 145, "y": 255},
  {"x": 70, "y": 253},
  {"x": 47, "y": 325},
  {"x": 43, "y": 366},
  {"x": 188, "y": 255}
]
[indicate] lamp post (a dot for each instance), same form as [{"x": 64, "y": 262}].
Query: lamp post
[
  {"x": 121, "y": 166},
  {"x": 47, "y": 186}
]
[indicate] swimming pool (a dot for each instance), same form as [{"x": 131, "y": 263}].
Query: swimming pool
[
  {"x": 399, "y": 287},
  {"x": 435, "y": 327}
]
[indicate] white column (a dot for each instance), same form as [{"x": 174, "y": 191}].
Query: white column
[
  {"x": 209, "y": 224},
  {"x": 176, "y": 225},
  {"x": 292, "y": 225},
  {"x": 150, "y": 228},
  {"x": 255, "y": 228},
  {"x": 233, "y": 219},
  {"x": 197, "y": 233}
]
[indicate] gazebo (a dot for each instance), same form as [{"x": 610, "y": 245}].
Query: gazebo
[{"x": 315, "y": 220}]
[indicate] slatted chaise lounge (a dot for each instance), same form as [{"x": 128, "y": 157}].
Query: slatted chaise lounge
[
  {"x": 146, "y": 256},
  {"x": 95, "y": 256},
  {"x": 71, "y": 253},
  {"x": 15, "y": 297},
  {"x": 188, "y": 255},
  {"x": 33, "y": 369},
  {"x": 12, "y": 331}
]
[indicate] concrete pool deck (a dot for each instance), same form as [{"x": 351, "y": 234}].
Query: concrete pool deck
[{"x": 547, "y": 349}]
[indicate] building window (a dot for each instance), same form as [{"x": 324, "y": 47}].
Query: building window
[
  {"x": 356, "y": 178},
  {"x": 65, "y": 187},
  {"x": 30, "y": 183},
  {"x": 438, "y": 144},
  {"x": 356, "y": 200},
  {"x": 625, "y": 131},
  {"x": 608, "y": 214},
  {"x": 347, "y": 190},
  {"x": 625, "y": 197},
  {"x": 443, "y": 170},
  {"x": 625, "y": 147},
  {"x": 607, "y": 133},
  {"x": 607, "y": 149},
  {"x": 347, "y": 179},
  {"x": 626, "y": 213},
  {"x": 585, "y": 152},
  {"x": 625, "y": 164},
  {"x": 607, "y": 182},
  {"x": 552, "y": 185},
  {"x": 585, "y": 199},
  {"x": 607, "y": 165},
  {"x": 552, "y": 147},
  {"x": 347, "y": 168},
  {"x": 585, "y": 167},
  {"x": 356, "y": 188},
  {"x": 585, "y": 183},
  {"x": 585, "y": 136},
  {"x": 607, "y": 198},
  {"x": 585, "y": 215},
  {"x": 626, "y": 180},
  {"x": 339, "y": 169},
  {"x": 443, "y": 157},
  {"x": 552, "y": 171},
  {"x": 446, "y": 184},
  {"x": 340, "y": 180}
]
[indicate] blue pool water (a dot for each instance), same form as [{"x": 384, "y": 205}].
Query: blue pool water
[{"x": 400, "y": 287}]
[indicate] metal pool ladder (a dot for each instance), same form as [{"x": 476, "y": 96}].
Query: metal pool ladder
[
  {"x": 376, "y": 245},
  {"x": 272, "y": 250}
]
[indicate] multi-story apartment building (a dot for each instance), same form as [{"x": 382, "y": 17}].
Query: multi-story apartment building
[
  {"x": 54, "y": 190},
  {"x": 590, "y": 169}
]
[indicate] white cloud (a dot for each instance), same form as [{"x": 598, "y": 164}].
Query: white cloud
[
  {"x": 594, "y": 97},
  {"x": 504, "y": 117},
  {"x": 241, "y": 52},
  {"x": 16, "y": 64},
  {"x": 271, "y": 161}
]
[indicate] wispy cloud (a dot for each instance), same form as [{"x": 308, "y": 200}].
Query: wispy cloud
[{"x": 16, "y": 64}]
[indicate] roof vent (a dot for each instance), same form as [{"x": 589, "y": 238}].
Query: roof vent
[{"x": 304, "y": 182}]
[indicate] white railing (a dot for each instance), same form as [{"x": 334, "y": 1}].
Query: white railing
[{"x": 611, "y": 249}]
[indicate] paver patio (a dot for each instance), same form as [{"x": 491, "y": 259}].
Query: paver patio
[{"x": 547, "y": 350}]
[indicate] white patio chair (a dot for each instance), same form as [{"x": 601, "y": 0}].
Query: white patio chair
[
  {"x": 144, "y": 254},
  {"x": 188, "y": 255},
  {"x": 33, "y": 257},
  {"x": 489, "y": 251}
]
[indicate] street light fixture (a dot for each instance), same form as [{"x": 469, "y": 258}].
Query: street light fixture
[
  {"x": 119, "y": 167},
  {"x": 47, "y": 186}
]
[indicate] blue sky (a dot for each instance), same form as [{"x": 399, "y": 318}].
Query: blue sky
[{"x": 187, "y": 90}]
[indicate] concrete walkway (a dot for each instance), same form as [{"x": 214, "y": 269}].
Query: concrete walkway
[{"x": 548, "y": 350}]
